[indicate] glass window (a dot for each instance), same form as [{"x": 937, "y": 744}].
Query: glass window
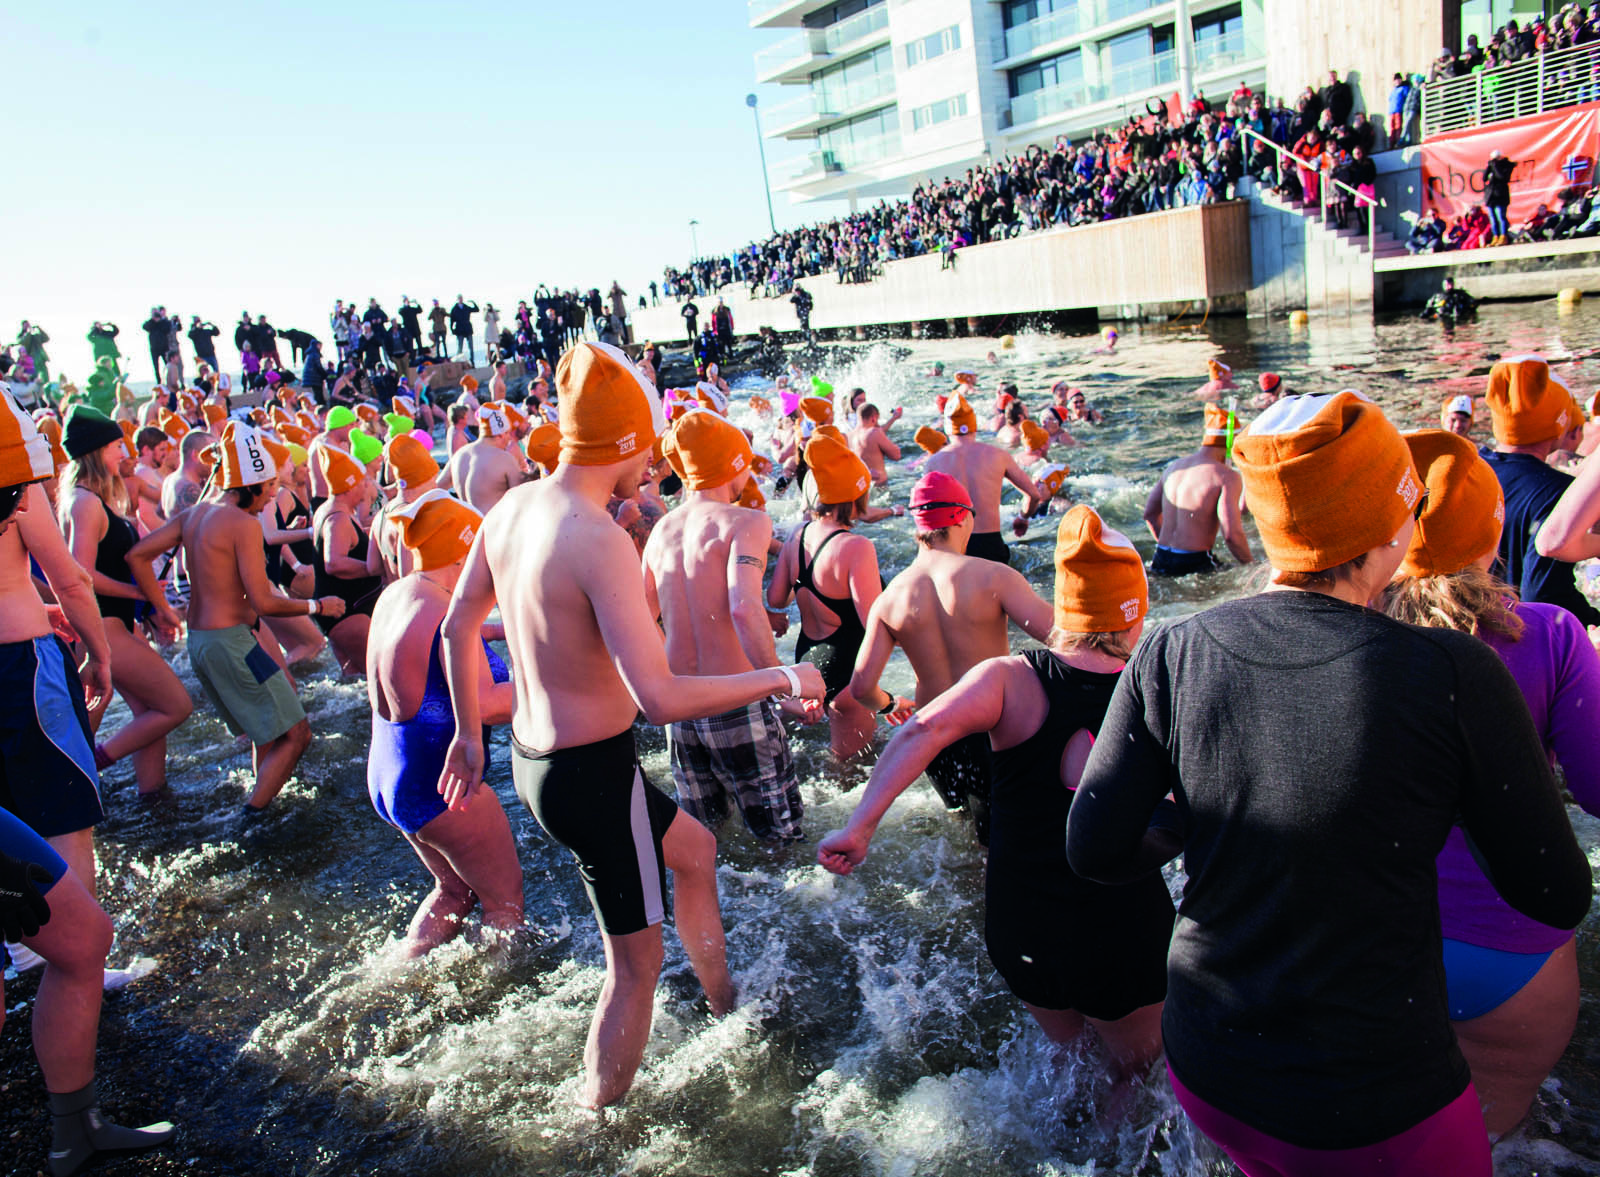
[
  {"x": 933, "y": 45},
  {"x": 1130, "y": 47},
  {"x": 939, "y": 112},
  {"x": 1063, "y": 69},
  {"x": 1215, "y": 26},
  {"x": 1020, "y": 12}
]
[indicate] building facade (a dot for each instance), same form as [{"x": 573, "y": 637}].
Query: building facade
[{"x": 890, "y": 93}]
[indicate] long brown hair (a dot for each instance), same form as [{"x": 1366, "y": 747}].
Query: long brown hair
[
  {"x": 1471, "y": 601},
  {"x": 92, "y": 474}
]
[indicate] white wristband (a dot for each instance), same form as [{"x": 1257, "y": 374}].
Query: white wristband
[
  {"x": 794, "y": 680},
  {"x": 312, "y": 607}
]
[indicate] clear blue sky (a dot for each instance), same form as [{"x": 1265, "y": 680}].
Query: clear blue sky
[{"x": 223, "y": 157}]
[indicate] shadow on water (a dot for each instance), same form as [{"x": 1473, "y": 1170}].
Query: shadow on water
[{"x": 873, "y": 1037}]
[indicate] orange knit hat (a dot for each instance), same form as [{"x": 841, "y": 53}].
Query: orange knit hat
[
  {"x": 403, "y": 405},
  {"x": 341, "y": 470},
  {"x": 410, "y": 461},
  {"x": 752, "y": 497},
  {"x": 246, "y": 457},
  {"x": 216, "y": 416},
  {"x": 961, "y": 416},
  {"x": 1328, "y": 478},
  {"x": 1466, "y": 507},
  {"x": 1033, "y": 436},
  {"x": 24, "y": 451},
  {"x": 171, "y": 424},
  {"x": 760, "y": 405},
  {"x": 608, "y": 411},
  {"x": 51, "y": 429},
  {"x": 295, "y": 435},
  {"x": 1100, "y": 584},
  {"x": 817, "y": 409},
  {"x": 369, "y": 414},
  {"x": 1217, "y": 419},
  {"x": 706, "y": 450},
  {"x": 1527, "y": 404},
  {"x": 930, "y": 439},
  {"x": 832, "y": 431},
  {"x": 518, "y": 419},
  {"x": 438, "y": 530},
  {"x": 544, "y": 446},
  {"x": 128, "y": 431},
  {"x": 840, "y": 476},
  {"x": 469, "y": 382},
  {"x": 1218, "y": 370}
]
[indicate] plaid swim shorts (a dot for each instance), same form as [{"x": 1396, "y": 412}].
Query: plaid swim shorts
[{"x": 744, "y": 752}]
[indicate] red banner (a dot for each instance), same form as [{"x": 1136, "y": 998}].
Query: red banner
[{"x": 1552, "y": 152}]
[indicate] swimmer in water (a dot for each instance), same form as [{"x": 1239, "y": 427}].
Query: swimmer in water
[
  {"x": 702, "y": 577},
  {"x": 1272, "y": 391},
  {"x": 573, "y": 758},
  {"x": 1078, "y": 954},
  {"x": 1196, "y": 497},
  {"x": 1080, "y": 411},
  {"x": 1512, "y": 983},
  {"x": 1316, "y": 810},
  {"x": 229, "y": 595},
  {"x": 1221, "y": 381},
  {"x": 831, "y": 573},
  {"x": 1456, "y": 415},
  {"x": 870, "y": 442},
  {"x": 1050, "y": 477},
  {"x": 983, "y": 469},
  {"x": 49, "y": 790},
  {"x": 469, "y": 850},
  {"x": 948, "y": 612},
  {"x": 1108, "y": 345}
]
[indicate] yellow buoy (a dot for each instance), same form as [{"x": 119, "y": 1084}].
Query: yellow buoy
[
  {"x": 1570, "y": 294},
  {"x": 1007, "y": 342},
  {"x": 1298, "y": 318}
]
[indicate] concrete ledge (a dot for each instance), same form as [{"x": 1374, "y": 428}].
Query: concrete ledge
[
  {"x": 1497, "y": 254},
  {"x": 1506, "y": 271},
  {"x": 1178, "y": 256}
]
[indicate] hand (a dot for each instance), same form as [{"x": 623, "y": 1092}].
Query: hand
[
  {"x": 463, "y": 772},
  {"x": 1019, "y": 526},
  {"x": 902, "y": 710},
  {"x": 628, "y": 513},
  {"x": 59, "y": 625},
  {"x": 331, "y": 607},
  {"x": 811, "y": 684},
  {"x": 23, "y": 910},
  {"x": 896, "y": 414},
  {"x": 807, "y": 711},
  {"x": 166, "y": 617},
  {"x": 842, "y": 851}
]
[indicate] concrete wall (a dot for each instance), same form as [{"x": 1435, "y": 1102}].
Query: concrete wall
[
  {"x": 1187, "y": 254},
  {"x": 1367, "y": 41},
  {"x": 1399, "y": 186},
  {"x": 1510, "y": 271}
]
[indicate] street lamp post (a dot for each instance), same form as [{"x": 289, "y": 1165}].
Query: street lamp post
[
  {"x": 694, "y": 241},
  {"x": 766, "y": 182}
]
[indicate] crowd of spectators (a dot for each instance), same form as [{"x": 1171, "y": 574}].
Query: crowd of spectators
[
  {"x": 1168, "y": 157},
  {"x": 1572, "y": 26}
]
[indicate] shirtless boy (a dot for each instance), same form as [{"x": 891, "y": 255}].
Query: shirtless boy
[
  {"x": 983, "y": 469},
  {"x": 948, "y": 611},
  {"x": 155, "y": 462},
  {"x": 572, "y": 741},
  {"x": 229, "y": 593},
  {"x": 1195, "y": 497},
  {"x": 482, "y": 471},
  {"x": 871, "y": 443},
  {"x": 703, "y": 566}
]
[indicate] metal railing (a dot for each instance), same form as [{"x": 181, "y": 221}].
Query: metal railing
[
  {"x": 1548, "y": 81},
  {"x": 800, "y": 49},
  {"x": 1066, "y": 22},
  {"x": 834, "y": 160},
  {"x": 1064, "y": 96},
  {"x": 853, "y": 28},
  {"x": 1214, "y": 53},
  {"x": 828, "y": 102},
  {"x": 1289, "y": 158}
]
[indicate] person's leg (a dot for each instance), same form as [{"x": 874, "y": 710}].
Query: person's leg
[
  {"x": 275, "y": 762},
  {"x": 473, "y": 856},
  {"x": 300, "y": 638},
  {"x": 156, "y": 698},
  {"x": 690, "y": 851},
  {"x": 1061, "y": 1026},
  {"x": 1134, "y": 1041},
  {"x": 78, "y": 850},
  {"x": 1512, "y": 1048},
  {"x": 621, "y": 1024},
  {"x": 66, "y": 1012}
]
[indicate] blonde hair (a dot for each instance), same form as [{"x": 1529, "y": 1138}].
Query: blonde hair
[
  {"x": 1113, "y": 643},
  {"x": 92, "y": 474},
  {"x": 1470, "y": 600}
]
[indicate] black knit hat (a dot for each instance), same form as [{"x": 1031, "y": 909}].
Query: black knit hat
[{"x": 88, "y": 429}]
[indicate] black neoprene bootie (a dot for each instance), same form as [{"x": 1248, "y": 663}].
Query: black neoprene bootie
[{"x": 81, "y": 1131}]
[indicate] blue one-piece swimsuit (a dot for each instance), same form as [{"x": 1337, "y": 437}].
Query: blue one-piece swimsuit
[{"x": 407, "y": 756}]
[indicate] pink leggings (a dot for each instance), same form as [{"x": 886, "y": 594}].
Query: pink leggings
[{"x": 1450, "y": 1143}]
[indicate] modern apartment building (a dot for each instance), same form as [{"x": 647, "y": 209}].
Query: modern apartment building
[{"x": 893, "y": 92}]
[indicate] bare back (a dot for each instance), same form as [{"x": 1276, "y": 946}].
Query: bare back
[
  {"x": 945, "y": 612},
  {"x": 482, "y": 473},
  {"x": 1191, "y": 492},
  {"x": 568, "y": 691},
  {"x": 690, "y": 560},
  {"x": 982, "y": 469},
  {"x": 216, "y": 537},
  {"x": 22, "y": 615}
]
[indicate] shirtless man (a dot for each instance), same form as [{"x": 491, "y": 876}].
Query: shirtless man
[
  {"x": 181, "y": 488},
  {"x": 341, "y": 420},
  {"x": 871, "y": 443},
  {"x": 460, "y": 418},
  {"x": 497, "y": 381},
  {"x": 229, "y": 594},
  {"x": 156, "y": 461},
  {"x": 702, "y": 576},
  {"x": 482, "y": 471},
  {"x": 983, "y": 469},
  {"x": 586, "y": 623},
  {"x": 1195, "y": 497},
  {"x": 948, "y": 611}
]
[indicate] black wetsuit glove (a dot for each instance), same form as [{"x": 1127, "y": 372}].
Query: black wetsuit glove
[{"x": 23, "y": 910}]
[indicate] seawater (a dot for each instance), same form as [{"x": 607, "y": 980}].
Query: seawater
[{"x": 872, "y": 1035}]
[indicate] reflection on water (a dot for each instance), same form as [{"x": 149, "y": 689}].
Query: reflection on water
[{"x": 873, "y": 1036}]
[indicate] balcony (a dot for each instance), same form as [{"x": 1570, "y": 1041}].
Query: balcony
[
  {"x": 820, "y": 165},
  {"x": 1226, "y": 52},
  {"x": 804, "y": 116},
  {"x": 791, "y": 59},
  {"x": 1565, "y": 77},
  {"x": 1066, "y": 23},
  {"x": 855, "y": 30},
  {"x": 1160, "y": 69},
  {"x": 773, "y": 14},
  {"x": 1054, "y": 100}
]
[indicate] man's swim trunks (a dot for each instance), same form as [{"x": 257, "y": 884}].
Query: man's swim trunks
[
  {"x": 744, "y": 752},
  {"x": 248, "y": 688},
  {"x": 987, "y": 545},
  {"x": 1176, "y": 562},
  {"x": 47, "y": 774},
  {"x": 594, "y": 800}
]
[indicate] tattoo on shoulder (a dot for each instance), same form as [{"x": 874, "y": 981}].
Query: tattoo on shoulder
[
  {"x": 188, "y": 494},
  {"x": 753, "y": 561}
]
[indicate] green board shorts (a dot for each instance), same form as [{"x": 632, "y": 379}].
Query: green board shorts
[{"x": 246, "y": 685}]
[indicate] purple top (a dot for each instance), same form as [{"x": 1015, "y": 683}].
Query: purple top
[{"x": 1559, "y": 673}]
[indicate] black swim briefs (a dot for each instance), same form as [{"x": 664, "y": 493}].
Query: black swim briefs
[{"x": 987, "y": 545}]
